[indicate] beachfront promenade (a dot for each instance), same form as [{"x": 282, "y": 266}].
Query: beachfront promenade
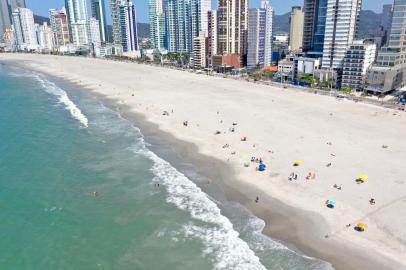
[{"x": 336, "y": 140}]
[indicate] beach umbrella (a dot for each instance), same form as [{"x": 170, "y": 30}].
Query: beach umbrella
[
  {"x": 363, "y": 177},
  {"x": 262, "y": 167},
  {"x": 361, "y": 227},
  {"x": 331, "y": 203},
  {"x": 297, "y": 162}
]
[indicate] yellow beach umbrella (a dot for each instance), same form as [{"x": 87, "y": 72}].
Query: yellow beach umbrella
[
  {"x": 362, "y": 226},
  {"x": 363, "y": 177},
  {"x": 297, "y": 162}
]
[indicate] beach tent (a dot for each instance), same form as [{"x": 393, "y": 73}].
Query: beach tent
[
  {"x": 361, "y": 227},
  {"x": 262, "y": 167},
  {"x": 331, "y": 203},
  {"x": 297, "y": 162}
]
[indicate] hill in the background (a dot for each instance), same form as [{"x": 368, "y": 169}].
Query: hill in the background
[
  {"x": 143, "y": 31},
  {"x": 369, "y": 22},
  {"x": 40, "y": 19},
  {"x": 281, "y": 23}
]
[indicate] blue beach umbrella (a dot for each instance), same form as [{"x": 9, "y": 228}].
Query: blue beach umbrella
[
  {"x": 331, "y": 203},
  {"x": 262, "y": 167}
]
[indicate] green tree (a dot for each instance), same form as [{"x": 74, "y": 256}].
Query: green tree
[{"x": 346, "y": 90}]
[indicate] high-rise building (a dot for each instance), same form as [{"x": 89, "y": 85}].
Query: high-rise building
[
  {"x": 296, "y": 29},
  {"x": 5, "y": 20},
  {"x": 386, "y": 18},
  {"x": 25, "y": 32},
  {"x": 185, "y": 19},
  {"x": 77, "y": 16},
  {"x": 340, "y": 31},
  {"x": 204, "y": 8},
  {"x": 315, "y": 12},
  {"x": 115, "y": 15},
  {"x": 259, "y": 37},
  {"x": 17, "y": 4},
  {"x": 128, "y": 26},
  {"x": 99, "y": 13},
  {"x": 199, "y": 51},
  {"x": 94, "y": 32},
  {"x": 232, "y": 18},
  {"x": 211, "y": 36},
  {"x": 358, "y": 58},
  {"x": 45, "y": 37},
  {"x": 59, "y": 26},
  {"x": 157, "y": 24},
  {"x": 179, "y": 26},
  {"x": 268, "y": 32},
  {"x": 256, "y": 38}
]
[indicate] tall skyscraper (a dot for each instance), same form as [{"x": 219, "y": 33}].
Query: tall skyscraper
[
  {"x": 17, "y": 3},
  {"x": 315, "y": 12},
  {"x": 232, "y": 27},
  {"x": 211, "y": 36},
  {"x": 340, "y": 31},
  {"x": 296, "y": 29},
  {"x": 94, "y": 32},
  {"x": 115, "y": 15},
  {"x": 268, "y": 31},
  {"x": 179, "y": 26},
  {"x": 256, "y": 38},
  {"x": 24, "y": 27},
  {"x": 259, "y": 41},
  {"x": 77, "y": 16},
  {"x": 59, "y": 26},
  {"x": 204, "y": 8},
  {"x": 99, "y": 13},
  {"x": 5, "y": 20},
  {"x": 386, "y": 18},
  {"x": 128, "y": 26},
  {"x": 157, "y": 24}
]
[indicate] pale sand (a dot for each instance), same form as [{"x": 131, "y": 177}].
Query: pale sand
[{"x": 294, "y": 125}]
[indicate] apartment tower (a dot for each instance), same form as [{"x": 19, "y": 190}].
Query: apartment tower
[
  {"x": 232, "y": 18},
  {"x": 341, "y": 29}
]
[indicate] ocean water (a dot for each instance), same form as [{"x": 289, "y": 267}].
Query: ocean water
[{"x": 59, "y": 144}]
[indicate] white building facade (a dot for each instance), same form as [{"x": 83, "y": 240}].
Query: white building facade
[
  {"x": 24, "y": 27},
  {"x": 94, "y": 32},
  {"x": 341, "y": 28},
  {"x": 45, "y": 37},
  {"x": 77, "y": 15},
  {"x": 358, "y": 59},
  {"x": 128, "y": 27}
]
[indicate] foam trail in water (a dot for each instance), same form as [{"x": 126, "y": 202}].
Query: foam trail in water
[
  {"x": 63, "y": 98},
  {"x": 222, "y": 242}
]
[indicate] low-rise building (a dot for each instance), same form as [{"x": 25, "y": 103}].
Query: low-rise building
[
  {"x": 381, "y": 80},
  {"x": 286, "y": 68},
  {"x": 305, "y": 65},
  {"x": 226, "y": 62},
  {"x": 358, "y": 58}
]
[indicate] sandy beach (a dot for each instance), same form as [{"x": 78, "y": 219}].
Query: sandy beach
[{"x": 335, "y": 140}]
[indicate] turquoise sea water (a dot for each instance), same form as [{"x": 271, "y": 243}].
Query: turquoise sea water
[{"x": 59, "y": 144}]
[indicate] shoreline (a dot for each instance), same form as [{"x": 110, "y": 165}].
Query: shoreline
[{"x": 277, "y": 215}]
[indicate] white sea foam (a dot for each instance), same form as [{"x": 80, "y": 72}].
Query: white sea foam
[
  {"x": 63, "y": 98},
  {"x": 222, "y": 243}
]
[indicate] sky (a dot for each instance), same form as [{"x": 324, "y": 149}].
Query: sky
[{"x": 41, "y": 7}]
